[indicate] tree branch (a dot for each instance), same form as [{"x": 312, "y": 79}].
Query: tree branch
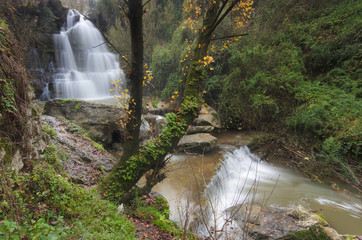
[
  {"x": 238, "y": 35},
  {"x": 219, "y": 12},
  {"x": 227, "y": 11},
  {"x": 146, "y": 3}
]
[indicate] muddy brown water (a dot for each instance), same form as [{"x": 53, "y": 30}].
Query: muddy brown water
[{"x": 189, "y": 174}]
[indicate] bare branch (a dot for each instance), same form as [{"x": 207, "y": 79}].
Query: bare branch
[
  {"x": 238, "y": 35},
  {"x": 227, "y": 11},
  {"x": 99, "y": 45},
  {"x": 146, "y": 3}
]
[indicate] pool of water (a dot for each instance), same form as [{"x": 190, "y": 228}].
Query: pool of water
[{"x": 233, "y": 168}]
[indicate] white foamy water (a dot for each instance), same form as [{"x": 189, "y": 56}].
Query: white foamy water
[
  {"x": 243, "y": 177},
  {"x": 84, "y": 65}
]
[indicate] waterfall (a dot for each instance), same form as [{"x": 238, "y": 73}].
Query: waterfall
[
  {"x": 235, "y": 183},
  {"x": 84, "y": 65},
  {"x": 244, "y": 179}
]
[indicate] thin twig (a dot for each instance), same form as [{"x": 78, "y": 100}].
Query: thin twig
[
  {"x": 238, "y": 35},
  {"x": 99, "y": 45},
  {"x": 146, "y": 3}
]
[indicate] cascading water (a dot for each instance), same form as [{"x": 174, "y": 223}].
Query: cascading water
[
  {"x": 244, "y": 178},
  {"x": 85, "y": 67}
]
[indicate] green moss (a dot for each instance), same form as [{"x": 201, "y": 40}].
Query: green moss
[
  {"x": 34, "y": 112},
  {"x": 78, "y": 130},
  {"x": 65, "y": 101},
  {"x": 49, "y": 130},
  {"x": 313, "y": 233},
  {"x": 3, "y": 25},
  {"x": 98, "y": 145},
  {"x": 54, "y": 155},
  {"x": 77, "y": 106},
  {"x": 7, "y": 99},
  {"x": 322, "y": 220}
]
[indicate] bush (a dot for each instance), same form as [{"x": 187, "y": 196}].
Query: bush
[{"x": 331, "y": 116}]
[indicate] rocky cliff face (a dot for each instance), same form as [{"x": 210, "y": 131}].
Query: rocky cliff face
[
  {"x": 33, "y": 22},
  {"x": 21, "y": 138}
]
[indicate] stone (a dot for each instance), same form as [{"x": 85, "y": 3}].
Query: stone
[
  {"x": 332, "y": 234},
  {"x": 201, "y": 142},
  {"x": 82, "y": 160},
  {"x": 299, "y": 213},
  {"x": 200, "y": 129},
  {"x": 208, "y": 117},
  {"x": 276, "y": 223},
  {"x": 16, "y": 161},
  {"x": 161, "y": 109},
  {"x": 120, "y": 208},
  {"x": 2, "y": 154},
  {"x": 98, "y": 119},
  {"x": 156, "y": 122}
]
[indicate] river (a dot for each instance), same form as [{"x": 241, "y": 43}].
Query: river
[
  {"x": 232, "y": 167},
  {"x": 188, "y": 175}
]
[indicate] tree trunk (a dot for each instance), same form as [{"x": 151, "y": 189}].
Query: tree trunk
[
  {"x": 118, "y": 186},
  {"x": 133, "y": 124}
]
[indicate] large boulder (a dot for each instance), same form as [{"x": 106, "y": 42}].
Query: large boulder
[
  {"x": 200, "y": 142},
  {"x": 81, "y": 158},
  {"x": 159, "y": 108},
  {"x": 275, "y": 223},
  {"x": 208, "y": 117},
  {"x": 200, "y": 129},
  {"x": 100, "y": 120}
]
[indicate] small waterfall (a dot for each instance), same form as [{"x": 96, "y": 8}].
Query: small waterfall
[
  {"x": 235, "y": 183},
  {"x": 243, "y": 179},
  {"x": 84, "y": 65}
]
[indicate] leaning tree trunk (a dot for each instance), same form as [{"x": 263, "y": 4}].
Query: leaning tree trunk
[{"x": 119, "y": 185}]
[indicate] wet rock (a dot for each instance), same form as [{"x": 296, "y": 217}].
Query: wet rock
[
  {"x": 84, "y": 162},
  {"x": 208, "y": 117},
  {"x": 161, "y": 109},
  {"x": 98, "y": 119},
  {"x": 201, "y": 142},
  {"x": 200, "y": 129},
  {"x": 156, "y": 123},
  {"x": 299, "y": 213},
  {"x": 145, "y": 130},
  {"x": 332, "y": 234},
  {"x": 274, "y": 223},
  {"x": 17, "y": 162}
]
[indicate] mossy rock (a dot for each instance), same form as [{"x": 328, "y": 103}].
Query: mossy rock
[{"x": 313, "y": 233}]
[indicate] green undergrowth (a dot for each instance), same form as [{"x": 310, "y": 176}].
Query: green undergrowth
[
  {"x": 44, "y": 205},
  {"x": 49, "y": 130},
  {"x": 156, "y": 209}
]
